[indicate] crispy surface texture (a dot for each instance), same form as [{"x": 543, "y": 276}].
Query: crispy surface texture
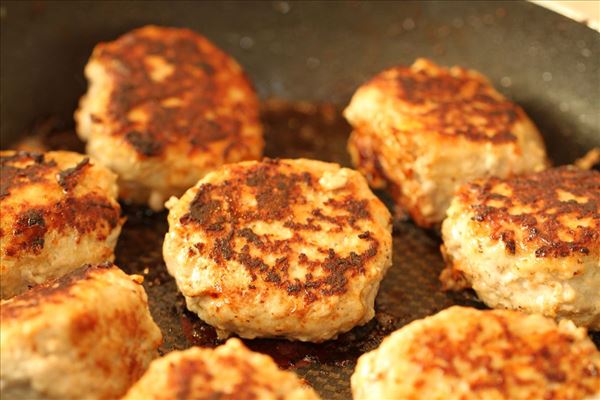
[
  {"x": 530, "y": 242},
  {"x": 164, "y": 107},
  {"x": 280, "y": 248},
  {"x": 230, "y": 371},
  {"x": 464, "y": 353},
  {"x": 59, "y": 211},
  {"x": 422, "y": 131},
  {"x": 86, "y": 335}
]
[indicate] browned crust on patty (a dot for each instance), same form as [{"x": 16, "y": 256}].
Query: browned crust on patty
[
  {"x": 364, "y": 150},
  {"x": 548, "y": 353},
  {"x": 453, "y": 102},
  {"x": 551, "y": 198},
  {"x": 85, "y": 213},
  {"x": 53, "y": 291},
  {"x": 68, "y": 178},
  {"x": 20, "y": 168},
  {"x": 201, "y": 76},
  {"x": 219, "y": 211},
  {"x": 182, "y": 376},
  {"x": 197, "y": 374}
]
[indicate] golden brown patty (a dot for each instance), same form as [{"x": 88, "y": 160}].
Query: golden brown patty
[
  {"x": 464, "y": 353},
  {"x": 292, "y": 248},
  {"x": 451, "y": 102},
  {"x": 554, "y": 213},
  {"x": 88, "y": 334},
  {"x": 177, "y": 104},
  {"x": 530, "y": 242},
  {"x": 229, "y": 372},
  {"x": 59, "y": 210},
  {"x": 424, "y": 130}
]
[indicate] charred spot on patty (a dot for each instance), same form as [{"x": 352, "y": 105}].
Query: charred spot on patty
[
  {"x": 455, "y": 104},
  {"x": 144, "y": 143},
  {"x": 44, "y": 292},
  {"x": 68, "y": 178},
  {"x": 29, "y": 232},
  {"x": 539, "y": 205},
  {"x": 14, "y": 174},
  {"x": 86, "y": 214},
  {"x": 276, "y": 192},
  {"x": 172, "y": 78}
]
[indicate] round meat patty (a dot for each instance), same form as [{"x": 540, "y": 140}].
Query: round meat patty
[
  {"x": 280, "y": 248},
  {"x": 464, "y": 353},
  {"x": 164, "y": 107},
  {"x": 229, "y": 372},
  {"x": 59, "y": 211},
  {"x": 424, "y": 130},
  {"x": 86, "y": 335},
  {"x": 530, "y": 243}
]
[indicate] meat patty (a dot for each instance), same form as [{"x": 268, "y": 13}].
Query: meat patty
[
  {"x": 424, "y": 130},
  {"x": 59, "y": 211},
  {"x": 279, "y": 248},
  {"x": 164, "y": 107},
  {"x": 464, "y": 353},
  {"x": 530, "y": 243},
  {"x": 229, "y": 372},
  {"x": 86, "y": 335}
]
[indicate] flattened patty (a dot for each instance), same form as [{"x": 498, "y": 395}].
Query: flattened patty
[
  {"x": 169, "y": 95},
  {"x": 230, "y": 371},
  {"x": 422, "y": 131},
  {"x": 530, "y": 242},
  {"x": 88, "y": 334},
  {"x": 178, "y": 85},
  {"x": 464, "y": 353},
  {"x": 301, "y": 236}
]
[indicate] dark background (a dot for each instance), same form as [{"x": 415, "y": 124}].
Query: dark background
[{"x": 319, "y": 51}]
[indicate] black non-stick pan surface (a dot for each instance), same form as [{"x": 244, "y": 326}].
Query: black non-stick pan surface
[{"x": 316, "y": 52}]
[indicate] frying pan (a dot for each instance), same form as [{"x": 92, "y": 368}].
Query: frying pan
[{"x": 317, "y": 52}]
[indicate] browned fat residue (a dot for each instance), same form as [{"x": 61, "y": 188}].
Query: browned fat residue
[
  {"x": 295, "y": 130},
  {"x": 453, "y": 104},
  {"x": 541, "y": 227},
  {"x": 463, "y": 356},
  {"x": 276, "y": 191},
  {"x": 20, "y": 168},
  {"x": 50, "y": 292},
  {"x": 197, "y": 82},
  {"x": 68, "y": 178},
  {"x": 368, "y": 147},
  {"x": 86, "y": 214}
]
